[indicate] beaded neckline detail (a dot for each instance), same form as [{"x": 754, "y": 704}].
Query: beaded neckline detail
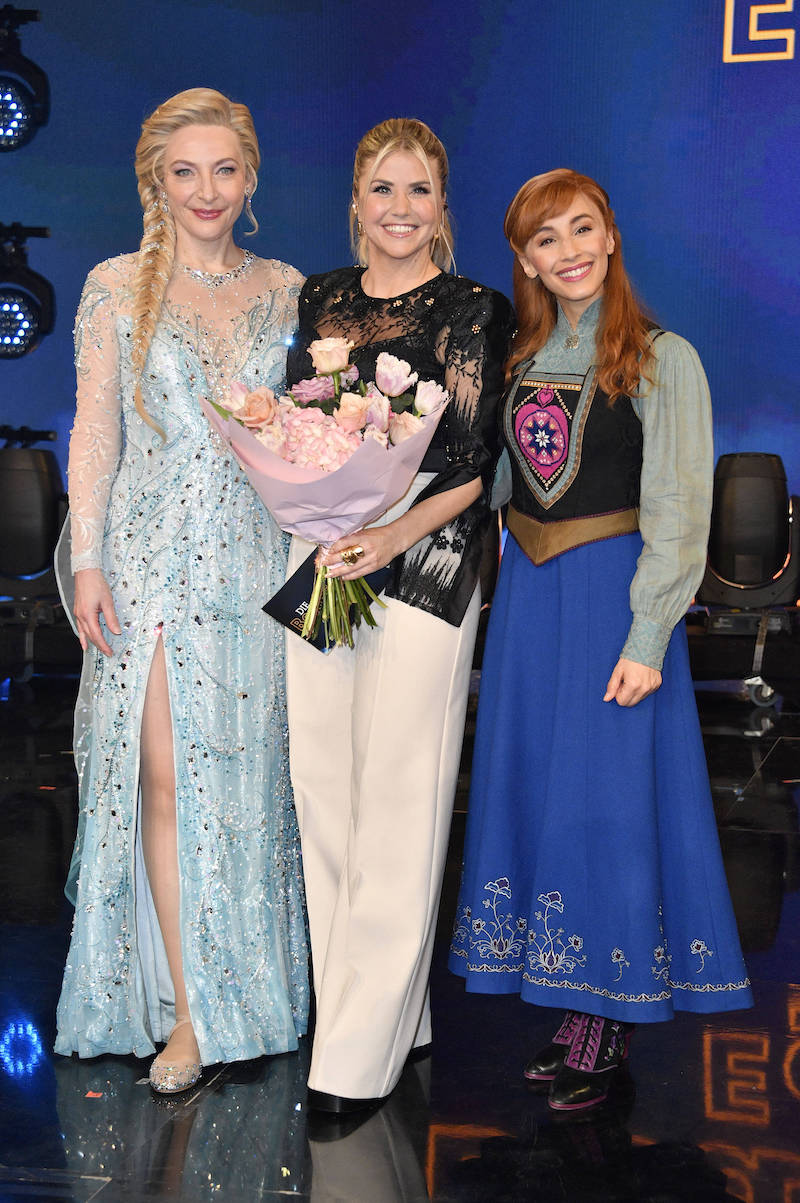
[{"x": 215, "y": 279}]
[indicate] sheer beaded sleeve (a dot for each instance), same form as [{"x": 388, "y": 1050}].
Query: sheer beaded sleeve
[{"x": 96, "y": 436}]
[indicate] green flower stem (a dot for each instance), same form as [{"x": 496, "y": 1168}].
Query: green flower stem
[
  {"x": 310, "y": 623},
  {"x": 339, "y": 606}
]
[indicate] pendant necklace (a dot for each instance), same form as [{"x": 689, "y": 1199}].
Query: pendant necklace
[{"x": 571, "y": 341}]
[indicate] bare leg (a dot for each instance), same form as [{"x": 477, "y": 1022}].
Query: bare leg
[{"x": 160, "y": 845}]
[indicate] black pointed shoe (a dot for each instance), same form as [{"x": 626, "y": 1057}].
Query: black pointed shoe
[
  {"x": 598, "y": 1049},
  {"x": 544, "y": 1065}
]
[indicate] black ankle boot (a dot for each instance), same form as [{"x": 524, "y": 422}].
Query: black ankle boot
[
  {"x": 545, "y": 1064},
  {"x": 598, "y": 1048}
]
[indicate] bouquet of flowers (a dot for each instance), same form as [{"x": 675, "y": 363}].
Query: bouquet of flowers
[{"x": 330, "y": 457}]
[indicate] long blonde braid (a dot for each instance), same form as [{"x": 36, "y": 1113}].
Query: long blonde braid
[{"x": 197, "y": 106}]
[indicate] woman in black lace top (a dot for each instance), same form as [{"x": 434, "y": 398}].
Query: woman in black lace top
[{"x": 376, "y": 733}]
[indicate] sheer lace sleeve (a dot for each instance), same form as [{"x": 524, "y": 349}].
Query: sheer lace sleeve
[
  {"x": 475, "y": 348},
  {"x": 96, "y": 436}
]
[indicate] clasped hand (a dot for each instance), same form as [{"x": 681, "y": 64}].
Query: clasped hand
[
  {"x": 631, "y": 682},
  {"x": 93, "y": 598}
]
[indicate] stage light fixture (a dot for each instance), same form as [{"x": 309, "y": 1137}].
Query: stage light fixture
[
  {"x": 754, "y": 545},
  {"x": 27, "y": 301},
  {"x": 24, "y": 89}
]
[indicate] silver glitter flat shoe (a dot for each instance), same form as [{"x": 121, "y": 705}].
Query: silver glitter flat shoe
[{"x": 172, "y": 1079}]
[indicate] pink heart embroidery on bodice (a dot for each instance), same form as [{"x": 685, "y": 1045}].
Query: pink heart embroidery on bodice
[{"x": 542, "y": 433}]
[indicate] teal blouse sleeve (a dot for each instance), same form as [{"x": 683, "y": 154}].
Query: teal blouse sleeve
[{"x": 675, "y": 505}]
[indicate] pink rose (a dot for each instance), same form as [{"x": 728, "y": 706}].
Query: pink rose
[
  {"x": 379, "y": 408},
  {"x": 429, "y": 396},
  {"x": 380, "y": 436},
  {"x": 349, "y": 376},
  {"x": 330, "y": 354},
  {"x": 402, "y": 426},
  {"x": 352, "y": 412},
  {"x": 393, "y": 376},
  {"x": 318, "y": 388}
]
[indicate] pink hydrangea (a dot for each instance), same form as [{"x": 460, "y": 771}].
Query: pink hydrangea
[{"x": 314, "y": 440}]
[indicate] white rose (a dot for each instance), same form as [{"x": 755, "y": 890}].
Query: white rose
[{"x": 330, "y": 354}]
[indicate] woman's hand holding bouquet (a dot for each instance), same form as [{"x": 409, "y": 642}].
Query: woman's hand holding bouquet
[{"x": 328, "y": 458}]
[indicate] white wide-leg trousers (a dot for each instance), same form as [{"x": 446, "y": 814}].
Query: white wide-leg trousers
[{"x": 375, "y": 742}]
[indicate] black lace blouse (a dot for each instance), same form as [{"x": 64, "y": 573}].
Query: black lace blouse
[{"x": 455, "y": 332}]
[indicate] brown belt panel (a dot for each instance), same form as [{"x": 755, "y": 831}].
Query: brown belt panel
[{"x": 541, "y": 541}]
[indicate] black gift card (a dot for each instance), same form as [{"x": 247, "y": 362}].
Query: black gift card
[{"x": 290, "y": 603}]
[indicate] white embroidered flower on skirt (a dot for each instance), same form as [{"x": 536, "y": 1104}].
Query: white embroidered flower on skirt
[
  {"x": 700, "y": 949},
  {"x": 497, "y": 937},
  {"x": 618, "y": 958},
  {"x": 547, "y": 950}
]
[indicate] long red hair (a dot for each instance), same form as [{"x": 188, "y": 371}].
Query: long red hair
[{"x": 624, "y": 346}]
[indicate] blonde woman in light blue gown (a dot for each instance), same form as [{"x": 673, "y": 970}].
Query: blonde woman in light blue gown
[{"x": 189, "y": 921}]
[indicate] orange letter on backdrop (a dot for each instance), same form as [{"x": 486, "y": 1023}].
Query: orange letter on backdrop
[{"x": 756, "y": 34}]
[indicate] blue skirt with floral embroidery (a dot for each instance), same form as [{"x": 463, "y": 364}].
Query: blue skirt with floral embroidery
[{"x": 593, "y": 878}]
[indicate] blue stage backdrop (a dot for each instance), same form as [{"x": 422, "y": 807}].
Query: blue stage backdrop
[{"x": 687, "y": 110}]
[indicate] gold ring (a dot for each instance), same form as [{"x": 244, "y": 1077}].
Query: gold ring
[{"x": 350, "y": 554}]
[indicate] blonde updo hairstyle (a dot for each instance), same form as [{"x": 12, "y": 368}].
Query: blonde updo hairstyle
[
  {"x": 402, "y": 133},
  {"x": 197, "y": 106}
]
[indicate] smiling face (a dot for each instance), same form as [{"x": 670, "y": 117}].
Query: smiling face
[
  {"x": 399, "y": 205},
  {"x": 204, "y": 179},
  {"x": 569, "y": 254}
]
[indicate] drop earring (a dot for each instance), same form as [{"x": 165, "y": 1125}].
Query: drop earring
[{"x": 248, "y": 208}]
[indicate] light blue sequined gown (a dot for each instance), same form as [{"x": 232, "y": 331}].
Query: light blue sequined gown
[{"x": 190, "y": 555}]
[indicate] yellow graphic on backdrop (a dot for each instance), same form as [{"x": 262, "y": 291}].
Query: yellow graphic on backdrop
[{"x": 756, "y": 34}]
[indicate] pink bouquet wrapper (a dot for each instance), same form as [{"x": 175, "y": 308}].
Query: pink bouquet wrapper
[{"x": 323, "y": 506}]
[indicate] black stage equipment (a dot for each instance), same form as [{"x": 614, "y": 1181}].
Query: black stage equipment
[
  {"x": 33, "y": 626},
  {"x": 753, "y": 567},
  {"x": 24, "y": 90},
  {"x": 754, "y": 545},
  {"x": 27, "y": 300}
]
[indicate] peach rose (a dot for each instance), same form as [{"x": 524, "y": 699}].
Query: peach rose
[
  {"x": 402, "y": 426},
  {"x": 393, "y": 376},
  {"x": 330, "y": 354},
  {"x": 259, "y": 408},
  {"x": 429, "y": 396},
  {"x": 352, "y": 412}
]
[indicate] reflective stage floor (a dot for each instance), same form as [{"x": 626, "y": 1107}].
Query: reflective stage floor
[{"x": 710, "y": 1112}]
